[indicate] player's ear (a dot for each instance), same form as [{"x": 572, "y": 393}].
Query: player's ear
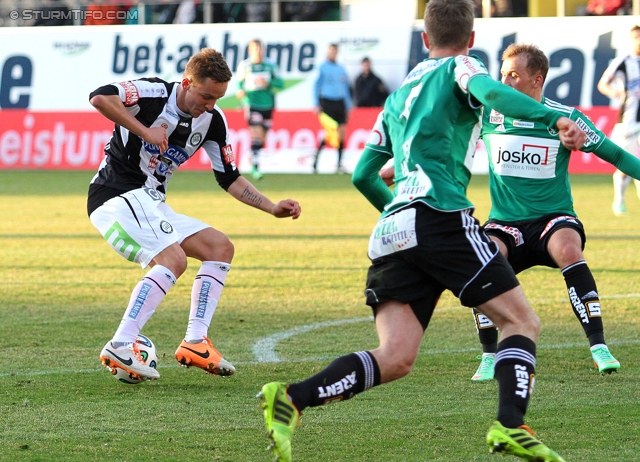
[
  {"x": 425, "y": 40},
  {"x": 472, "y": 39},
  {"x": 185, "y": 83}
]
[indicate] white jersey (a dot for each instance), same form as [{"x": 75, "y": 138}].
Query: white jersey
[{"x": 625, "y": 71}]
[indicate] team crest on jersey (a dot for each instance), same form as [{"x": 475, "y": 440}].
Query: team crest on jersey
[
  {"x": 153, "y": 194},
  {"x": 131, "y": 96},
  {"x": 227, "y": 151},
  {"x": 195, "y": 139},
  {"x": 496, "y": 118},
  {"x": 552, "y": 131}
]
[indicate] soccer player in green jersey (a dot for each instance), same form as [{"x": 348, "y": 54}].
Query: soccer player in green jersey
[
  {"x": 532, "y": 217},
  {"x": 427, "y": 239},
  {"x": 258, "y": 79}
]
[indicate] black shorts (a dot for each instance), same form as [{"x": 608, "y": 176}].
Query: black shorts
[
  {"x": 527, "y": 240},
  {"x": 451, "y": 253},
  {"x": 334, "y": 109},
  {"x": 260, "y": 117}
]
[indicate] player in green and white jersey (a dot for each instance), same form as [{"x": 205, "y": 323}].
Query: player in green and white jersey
[
  {"x": 532, "y": 217},
  {"x": 258, "y": 79},
  {"x": 427, "y": 239}
]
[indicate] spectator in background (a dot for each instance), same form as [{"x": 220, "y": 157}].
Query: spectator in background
[
  {"x": 188, "y": 12},
  {"x": 164, "y": 12},
  {"x": 54, "y": 13},
  {"x": 104, "y": 13},
  {"x": 258, "y": 12},
  {"x": 606, "y": 7},
  {"x": 369, "y": 90},
  {"x": 301, "y": 11},
  {"x": 332, "y": 99}
]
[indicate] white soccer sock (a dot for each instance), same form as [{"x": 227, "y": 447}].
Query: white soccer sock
[
  {"x": 620, "y": 183},
  {"x": 145, "y": 298},
  {"x": 205, "y": 294}
]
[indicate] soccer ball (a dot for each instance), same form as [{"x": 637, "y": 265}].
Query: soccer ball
[{"x": 149, "y": 356}]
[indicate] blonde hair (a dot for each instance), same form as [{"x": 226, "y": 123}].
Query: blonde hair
[
  {"x": 207, "y": 64},
  {"x": 537, "y": 61}
]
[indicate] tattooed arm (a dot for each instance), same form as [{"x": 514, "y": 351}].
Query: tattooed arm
[{"x": 245, "y": 192}]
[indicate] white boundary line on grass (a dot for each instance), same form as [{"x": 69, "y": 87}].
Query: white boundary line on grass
[{"x": 264, "y": 349}]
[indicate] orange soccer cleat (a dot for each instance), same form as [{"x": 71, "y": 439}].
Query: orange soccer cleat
[{"x": 204, "y": 356}]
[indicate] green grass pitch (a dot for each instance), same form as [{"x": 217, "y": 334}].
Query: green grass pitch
[{"x": 292, "y": 302}]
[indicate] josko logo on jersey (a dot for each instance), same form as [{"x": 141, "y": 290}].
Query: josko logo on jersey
[{"x": 227, "y": 151}]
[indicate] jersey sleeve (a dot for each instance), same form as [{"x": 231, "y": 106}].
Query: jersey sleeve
[
  {"x": 595, "y": 137},
  {"x": 276, "y": 80},
  {"x": 466, "y": 68},
  {"x": 615, "y": 155},
  {"x": 220, "y": 151},
  {"x": 613, "y": 71},
  {"x": 510, "y": 102},
  {"x": 366, "y": 176},
  {"x": 241, "y": 75},
  {"x": 132, "y": 91}
]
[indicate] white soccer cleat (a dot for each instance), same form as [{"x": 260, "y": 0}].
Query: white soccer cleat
[{"x": 128, "y": 359}]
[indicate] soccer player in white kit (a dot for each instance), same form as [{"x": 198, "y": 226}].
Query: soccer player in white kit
[
  {"x": 158, "y": 126},
  {"x": 621, "y": 81}
]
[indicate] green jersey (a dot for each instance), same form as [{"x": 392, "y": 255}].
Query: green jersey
[
  {"x": 529, "y": 166},
  {"x": 430, "y": 126},
  {"x": 259, "y": 80}
]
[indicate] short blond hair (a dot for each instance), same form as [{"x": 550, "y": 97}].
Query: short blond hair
[
  {"x": 207, "y": 64},
  {"x": 537, "y": 61}
]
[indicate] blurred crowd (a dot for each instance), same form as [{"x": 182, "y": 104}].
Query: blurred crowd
[{"x": 107, "y": 12}]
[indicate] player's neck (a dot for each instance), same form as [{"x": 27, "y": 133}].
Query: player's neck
[{"x": 447, "y": 52}]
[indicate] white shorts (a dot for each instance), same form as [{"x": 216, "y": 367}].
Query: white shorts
[
  {"x": 626, "y": 136},
  {"x": 139, "y": 225}
]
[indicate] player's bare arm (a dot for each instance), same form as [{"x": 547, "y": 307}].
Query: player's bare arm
[
  {"x": 607, "y": 89},
  {"x": 112, "y": 108},
  {"x": 246, "y": 193},
  {"x": 571, "y": 135}
]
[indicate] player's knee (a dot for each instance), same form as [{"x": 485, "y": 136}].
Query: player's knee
[
  {"x": 394, "y": 366},
  {"x": 223, "y": 250},
  {"x": 530, "y": 323}
]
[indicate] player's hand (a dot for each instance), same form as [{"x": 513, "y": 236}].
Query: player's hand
[
  {"x": 158, "y": 137},
  {"x": 287, "y": 208},
  {"x": 571, "y": 135},
  {"x": 387, "y": 175}
]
